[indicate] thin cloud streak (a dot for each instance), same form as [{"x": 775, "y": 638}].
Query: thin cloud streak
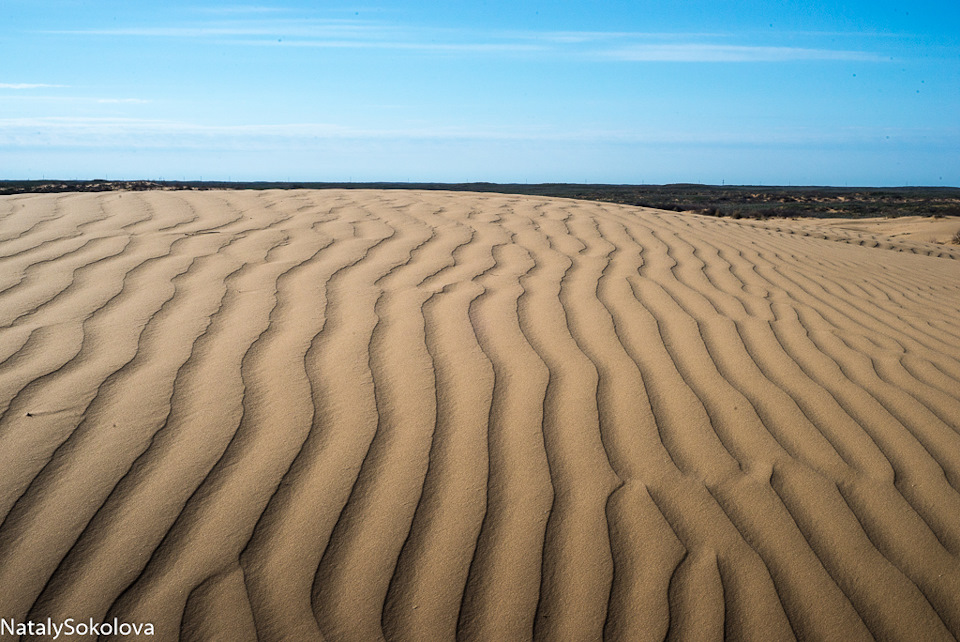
[
  {"x": 123, "y": 101},
  {"x": 77, "y": 99},
  {"x": 581, "y": 37},
  {"x": 138, "y": 133},
  {"x": 478, "y": 47},
  {"x": 695, "y": 52},
  {"x": 588, "y": 45},
  {"x": 269, "y": 28},
  {"x": 239, "y": 9},
  {"x": 25, "y": 85}
]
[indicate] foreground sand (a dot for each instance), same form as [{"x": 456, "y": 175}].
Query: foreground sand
[{"x": 429, "y": 415}]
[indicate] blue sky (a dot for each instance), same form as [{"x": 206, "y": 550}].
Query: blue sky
[{"x": 838, "y": 93}]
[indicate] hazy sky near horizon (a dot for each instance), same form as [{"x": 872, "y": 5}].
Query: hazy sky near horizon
[{"x": 829, "y": 92}]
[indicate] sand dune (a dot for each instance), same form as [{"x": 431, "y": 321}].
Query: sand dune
[
  {"x": 915, "y": 234},
  {"x": 348, "y": 415}
]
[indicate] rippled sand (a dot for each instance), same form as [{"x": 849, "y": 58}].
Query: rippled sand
[{"x": 343, "y": 415}]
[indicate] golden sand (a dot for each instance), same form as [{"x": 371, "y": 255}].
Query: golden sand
[{"x": 348, "y": 415}]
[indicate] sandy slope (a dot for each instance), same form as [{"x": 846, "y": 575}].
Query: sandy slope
[
  {"x": 927, "y": 229},
  {"x": 917, "y": 234},
  {"x": 426, "y": 415}
]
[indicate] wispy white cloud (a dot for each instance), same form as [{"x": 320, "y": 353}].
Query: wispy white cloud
[
  {"x": 75, "y": 99},
  {"x": 850, "y": 34},
  {"x": 584, "y": 45},
  {"x": 138, "y": 133},
  {"x": 582, "y": 37},
  {"x": 339, "y": 34},
  {"x": 463, "y": 47},
  {"x": 26, "y": 85},
  {"x": 125, "y": 101},
  {"x": 240, "y": 9},
  {"x": 150, "y": 133},
  {"x": 697, "y": 52},
  {"x": 270, "y": 28}
]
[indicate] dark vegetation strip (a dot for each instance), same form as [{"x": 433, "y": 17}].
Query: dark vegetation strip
[{"x": 738, "y": 201}]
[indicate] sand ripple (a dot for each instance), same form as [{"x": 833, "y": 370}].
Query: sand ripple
[{"x": 354, "y": 415}]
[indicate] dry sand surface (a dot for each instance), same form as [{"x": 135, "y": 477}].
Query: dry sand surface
[
  {"x": 347, "y": 415},
  {"x": 926, "y": 229},
  {"x": 918, "y": 234}
]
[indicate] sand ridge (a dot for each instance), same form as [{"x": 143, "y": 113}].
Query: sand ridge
[{"x": 355, "y": 415}]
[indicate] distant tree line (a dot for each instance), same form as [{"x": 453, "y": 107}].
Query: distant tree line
[{"x": 741, "y": 201}]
